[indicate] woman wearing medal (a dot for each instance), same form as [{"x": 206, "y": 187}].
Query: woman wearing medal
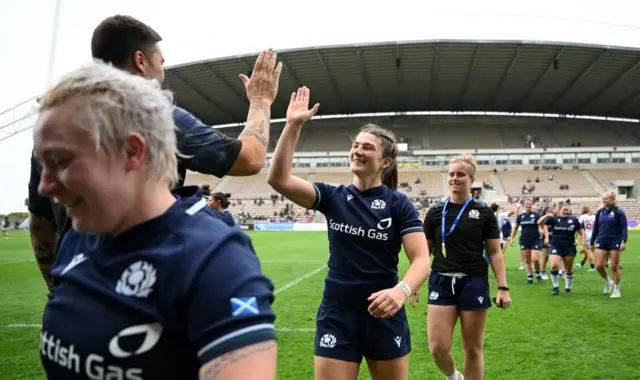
[{"x": 458, "y": 230}]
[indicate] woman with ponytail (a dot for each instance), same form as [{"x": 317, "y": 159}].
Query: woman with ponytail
[
  {"x": 219, "y": 203},
  {"x": 362, "y": 311}
]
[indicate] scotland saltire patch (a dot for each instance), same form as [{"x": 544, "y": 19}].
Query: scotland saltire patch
[{"x": 244, "y": 306}]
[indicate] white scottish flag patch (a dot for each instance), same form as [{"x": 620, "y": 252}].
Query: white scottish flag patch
[{"x": 244, "y": 306}]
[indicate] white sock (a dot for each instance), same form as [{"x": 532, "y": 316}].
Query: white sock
[
  {"x": 616, "y": 287},
  {"x": 568, "y": 281},
  {"x": 555, "y": 279},
  {"x": 454, "y": 376}
]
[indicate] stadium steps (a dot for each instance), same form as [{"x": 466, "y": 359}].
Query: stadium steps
[
  {"x": 221, "y": 184},
  {"x": 497, "y": 183},
  {"x": 593, "y": 181}
]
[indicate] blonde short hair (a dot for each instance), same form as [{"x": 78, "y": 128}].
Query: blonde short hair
[
  {"x": 111, "y": 103},
  {"x": 612, "y": 195},
  {"x": 468, "y": 161}
]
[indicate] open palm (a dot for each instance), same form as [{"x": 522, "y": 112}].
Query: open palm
[{"x": 298, "y": 111}]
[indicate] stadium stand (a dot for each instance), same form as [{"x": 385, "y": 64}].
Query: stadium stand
[
  {"x": 608, "y": 177},
  {"x": 546, "y": 183}
]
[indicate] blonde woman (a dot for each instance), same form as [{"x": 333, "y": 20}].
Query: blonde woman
[
  {"x": 458, "y": 230},
  {"x": 609, "y": 239},
  {"x": 141, "y": 261}
]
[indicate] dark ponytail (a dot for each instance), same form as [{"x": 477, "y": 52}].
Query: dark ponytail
[
  {"x": 223, "y": 198},
  {"x": 390, "y": 176}
]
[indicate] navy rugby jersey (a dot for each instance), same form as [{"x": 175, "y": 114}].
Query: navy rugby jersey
[
  {"x": 213, "y": 152},
  {"x": 465, "y": 246},
  {"x": 365, "y": 238},
  {"x": 562, "y": 230},
  {"x": 506, "y": 229},
  {"x": 157, "y": 301},
  {"x": 529, "y": 223},
  {"x": 610, "y": 226},
  {"x": 226, "y": 217}
]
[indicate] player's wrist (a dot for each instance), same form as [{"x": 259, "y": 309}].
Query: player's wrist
[
  {"x": 503, "y": 288},
  {"x": 258, "y": 100},
  {"x": 406, "y": 289}
]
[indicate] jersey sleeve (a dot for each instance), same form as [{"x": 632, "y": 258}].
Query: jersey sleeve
[
  {"x": 230, "y": 301},
  {"x": 324, "y": 192},
  {"x": 577, "y": 221},
  {"x": 491, "y": 229},
  {"x": 429, "y": 225},
  {"x": 37, "y": 204},
  {"x": 550, "y": 221},
  {"x": 408, "y": 220},
  {"x": 209, "y": 151},
  {"x": 518, "y": 220},
  {"x": 227, "y": 218},
  {"x": 622, "y": 222}
]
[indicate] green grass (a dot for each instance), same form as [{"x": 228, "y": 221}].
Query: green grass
[{"x": 582, "y": 336}]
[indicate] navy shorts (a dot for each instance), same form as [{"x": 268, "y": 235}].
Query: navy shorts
[
  {"x": 533, "y": 244},
  {"x": 349, "y": 334},
  {"x": 608, "y": 245},
  {"x": 563, "y": 250},
  {"x": 465, "y": 293}
]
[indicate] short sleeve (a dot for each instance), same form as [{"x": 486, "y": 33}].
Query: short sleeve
[
  {"x": 37, "y": 204},
  {"x": 211, "y": 152},
  {"x": 576, "y": 221},
  {"x": 408, "y": 220},
  {"x": 550, "y": 221},
  {"x": 518, "y": 219},
  {"x": 324, "y": 192},
  {"x": 230, "y": 302},
  {"x": 491, "y": 229},
  {"x": 429, "y": 226}
]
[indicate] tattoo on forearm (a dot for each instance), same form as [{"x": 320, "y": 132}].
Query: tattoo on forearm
[
  {"x": 44, "y": 237},
  {"x": 258, "y": 123},
  {"x": 213, "y": 368}
]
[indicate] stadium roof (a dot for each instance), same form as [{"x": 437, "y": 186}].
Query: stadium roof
[{"x": 444, "y": 75}]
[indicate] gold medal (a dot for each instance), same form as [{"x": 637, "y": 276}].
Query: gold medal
[{"x": 444, "y": 251}]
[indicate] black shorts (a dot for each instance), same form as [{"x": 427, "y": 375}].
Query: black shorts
[
  {"x": 466, "y": 293},
  {"x": 348, "y": 334},
  {"x": 562, "y": 250}
]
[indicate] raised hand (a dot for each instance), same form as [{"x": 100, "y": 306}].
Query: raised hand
[
  {"x": 298, "y": 112},
  {"x": 263, "y": 84}
]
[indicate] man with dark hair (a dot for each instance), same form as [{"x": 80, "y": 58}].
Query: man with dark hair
[{"x": 132, "y": 46}]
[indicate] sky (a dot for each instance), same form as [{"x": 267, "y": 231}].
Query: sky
[{"x": 204, "y": 29}]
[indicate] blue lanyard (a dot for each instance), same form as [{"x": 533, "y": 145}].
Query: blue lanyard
[{"x": 455, "y": 222}]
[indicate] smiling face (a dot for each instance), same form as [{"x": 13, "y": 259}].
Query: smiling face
[
  {"x": 92, "y": 185},
  {"x": 365, "y": 156},
  {"x": 565, "y": 211},
  {"x": 607, "y": 199},
  {"x": 528, "y": 206},
  {"x": 459, "y": 178}
]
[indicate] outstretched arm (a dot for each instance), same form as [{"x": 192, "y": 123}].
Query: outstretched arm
[{"x": 279, "y": 177}]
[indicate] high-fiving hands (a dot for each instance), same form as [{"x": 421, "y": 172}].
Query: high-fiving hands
[
  {"x": 263, "y": 84},
  {"x": 298, "y": 112}
]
